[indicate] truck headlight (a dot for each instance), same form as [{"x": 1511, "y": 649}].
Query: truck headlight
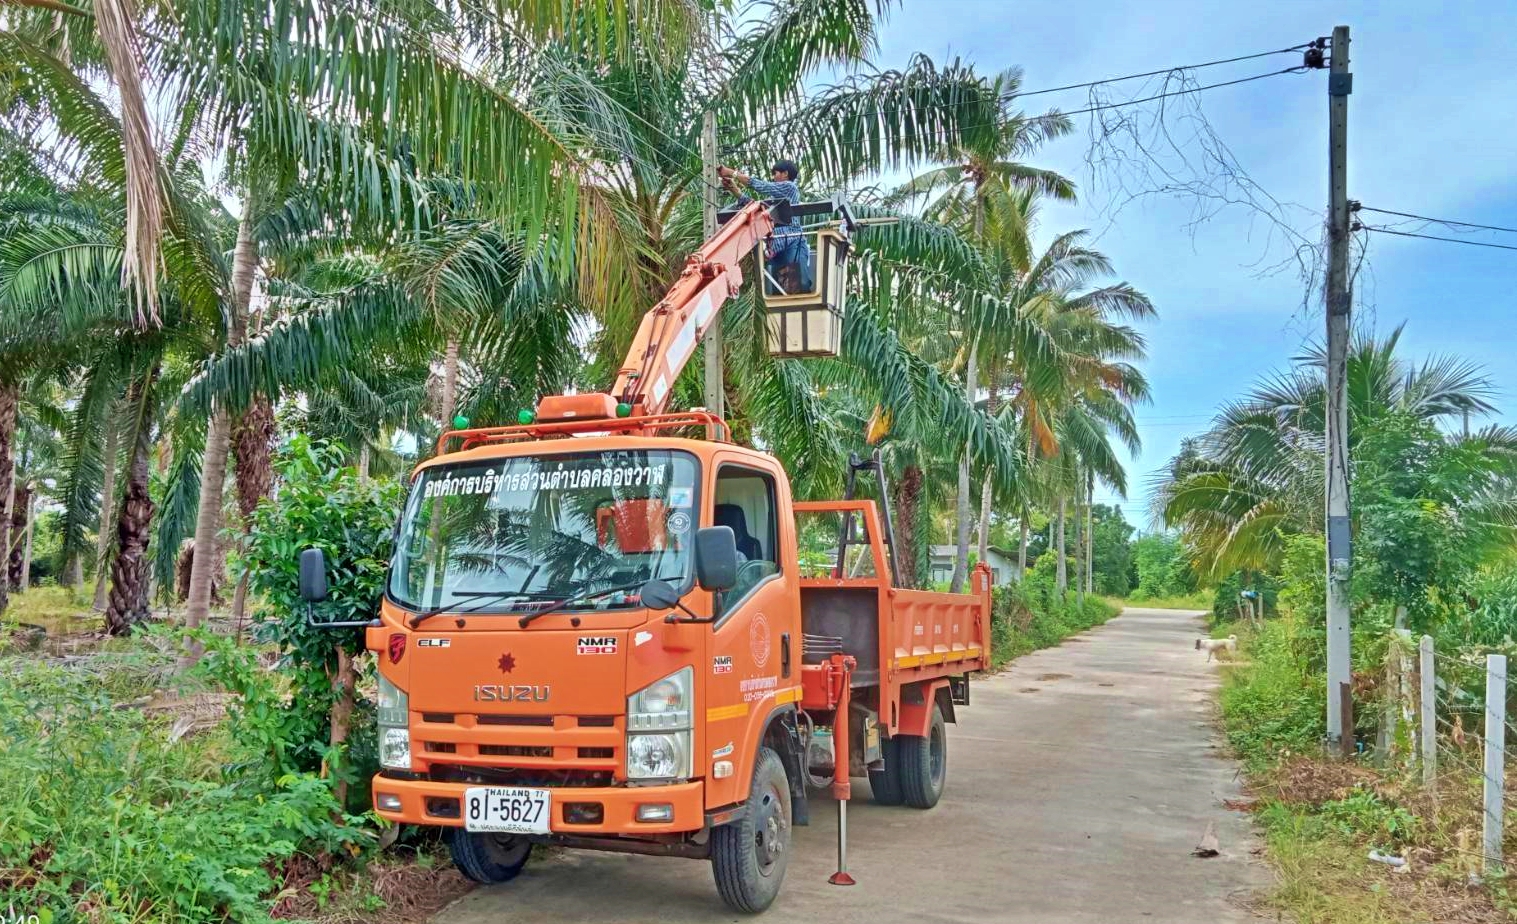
[
  {"x": 659, "y": 730},
  {"x": 395, "y": 748},
  {"x": 393, "y": 705},
  {"x": 394, "y": 733},
  {"x": 658, "y": 757}
]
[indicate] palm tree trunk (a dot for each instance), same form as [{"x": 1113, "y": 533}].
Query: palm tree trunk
[
  {"x": 363, "y": 462},
  {"x": 10, "y": 398},
  {"x": 128, "y": 601},
  {"x": 1022, "y": 550},
  {"x": 985, "y": 489},
  {"x": 1090, "y": 533},
  {"x": 207, "y": 524},
  {"x": 217, "y": 441},
  {"x": 449, "y": 383},
  {"x": 908, "y": 502},
  {"x": 1063, "y": 584},
  {"x": 107, "y": 510},
  {"x": 1079, "y": 553},
  {"x": 253, "y": 433},
  {"x": 961, "y": 553},
  {"x": 21, "y": 506},
  {"x": 26, "y": 549},
  {"x": 344, "y": 683}
]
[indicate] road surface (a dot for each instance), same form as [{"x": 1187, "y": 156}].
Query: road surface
[{"x": 1079, "y": 782}]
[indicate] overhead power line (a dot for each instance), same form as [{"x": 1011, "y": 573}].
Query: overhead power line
[
  {"x": 1433, "y": 237},
  {"x": 1167, "y": 70},
  {"x": 1210, "y": 86},
  {"x": 1438, "y": 221}
]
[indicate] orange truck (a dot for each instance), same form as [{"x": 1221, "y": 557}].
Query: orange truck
[{"x": 600, "y": 631}]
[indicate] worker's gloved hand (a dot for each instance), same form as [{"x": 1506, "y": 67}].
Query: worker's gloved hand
[{"x": 725, "y": 172}]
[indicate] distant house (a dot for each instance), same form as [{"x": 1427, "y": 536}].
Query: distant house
[{"x": 1002, "y": 562}]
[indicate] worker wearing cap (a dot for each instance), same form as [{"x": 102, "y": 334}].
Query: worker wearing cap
[{"x": 788, "y": 245}]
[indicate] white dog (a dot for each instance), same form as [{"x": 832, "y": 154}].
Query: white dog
[{"x": 1215, "y": 646}]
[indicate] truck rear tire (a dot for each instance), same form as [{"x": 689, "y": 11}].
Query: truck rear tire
[
  {"x": 488, "y": 857},
  {"x": 749, "y": 855},
  {"x": 923, "y": 760},
  {"x": 885, "y": 785}
]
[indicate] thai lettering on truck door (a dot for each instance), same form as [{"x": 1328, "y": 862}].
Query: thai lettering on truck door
[{"x": 750, "y": 670}]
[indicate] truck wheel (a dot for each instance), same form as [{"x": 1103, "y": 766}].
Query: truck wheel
[
  {"x": 749, "y": 855},
  {"x": 885, "y": 784},
  {"x": 924, "y": 763},
  {"x": 488, "y": 857}
]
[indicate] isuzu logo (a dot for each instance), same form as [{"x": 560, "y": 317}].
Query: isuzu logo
[{"x": 511, "y": 693}]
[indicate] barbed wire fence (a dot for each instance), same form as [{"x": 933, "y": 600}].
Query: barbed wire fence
[{"x": 1444, "y": 713}]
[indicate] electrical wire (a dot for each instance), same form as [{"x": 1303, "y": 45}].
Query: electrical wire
[
  {"x": 1184, "y": 67},
  {"x": 1437, "y": 221},
  {"x": 1434, "y": 237},
  {"x": 1210, "y": 86}
]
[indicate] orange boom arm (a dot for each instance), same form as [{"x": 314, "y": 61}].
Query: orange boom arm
[{"x": 667, "y": 337}]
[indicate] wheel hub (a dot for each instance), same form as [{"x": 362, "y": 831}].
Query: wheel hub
[{"x": 769, "y": 831}]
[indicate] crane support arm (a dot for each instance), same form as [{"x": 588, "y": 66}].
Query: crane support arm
[{"x": 668, "y": 334}]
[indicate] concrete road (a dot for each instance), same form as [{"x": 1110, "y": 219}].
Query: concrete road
[{"x": 1079, "y": 782}]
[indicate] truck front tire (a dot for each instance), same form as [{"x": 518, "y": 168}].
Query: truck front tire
[
  {"x": 487, "y": 857},
  {"x": 749, "y": 855},
  {"x": 923, "y": 762}
]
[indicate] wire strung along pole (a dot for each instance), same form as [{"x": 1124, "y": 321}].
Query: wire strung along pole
[
  {"x": 1427, "y": 681},
  {"x": 1339, "y": 84},
  {"x": 1495, "y": 762},
  {"x": 710, "y": 187}
]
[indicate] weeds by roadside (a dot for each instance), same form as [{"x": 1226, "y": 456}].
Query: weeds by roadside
[{"x": 1323, "y": 818}]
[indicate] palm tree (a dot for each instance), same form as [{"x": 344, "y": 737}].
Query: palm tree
[{"x": 1256, "y": 475}]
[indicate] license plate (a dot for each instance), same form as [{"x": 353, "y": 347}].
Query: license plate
[{"x": 509, "y": 809}]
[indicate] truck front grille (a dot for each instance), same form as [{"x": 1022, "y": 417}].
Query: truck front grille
[{"x": 496, "y": 748}]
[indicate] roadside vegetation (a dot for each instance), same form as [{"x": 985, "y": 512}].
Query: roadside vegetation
[
  {"x": 192, "y": 393},
  {"x": 1434, "y": 545}
]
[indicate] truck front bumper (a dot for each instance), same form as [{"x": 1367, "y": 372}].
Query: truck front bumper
[{"x": 423, "y": 802}]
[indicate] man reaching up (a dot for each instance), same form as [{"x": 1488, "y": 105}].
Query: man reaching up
[{"x": 788, "y": 251}]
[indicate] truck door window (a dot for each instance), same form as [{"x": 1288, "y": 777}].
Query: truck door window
[{"x": 745, "y": 501}]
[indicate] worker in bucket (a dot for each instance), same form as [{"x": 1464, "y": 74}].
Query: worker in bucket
[{"x": 788, "y": 256}]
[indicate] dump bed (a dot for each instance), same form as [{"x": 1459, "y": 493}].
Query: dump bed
[{"x": 895, "y": 637}]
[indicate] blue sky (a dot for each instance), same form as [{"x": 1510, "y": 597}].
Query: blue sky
[{"x": 1431, "y": 131}]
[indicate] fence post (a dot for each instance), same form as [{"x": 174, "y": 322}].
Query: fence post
[
  {"x": 1495, "y": 761},
  {"x": 1429, "y": 702}
]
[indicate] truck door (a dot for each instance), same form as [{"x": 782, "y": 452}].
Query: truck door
[{"x": 751, "y": 669}]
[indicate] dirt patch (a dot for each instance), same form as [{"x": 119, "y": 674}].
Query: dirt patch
[
  {"x": 1304, "y": 781},
  {"x": 401, "y": 891},
  {"x": 1029, "y": 690},
  {"x": 1105, "y": 684},
  {"x": 1048, "y": 677}
]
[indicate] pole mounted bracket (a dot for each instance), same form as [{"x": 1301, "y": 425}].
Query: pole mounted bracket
[
  {"x": 1339, "y": 539},
  {"x": 1340, "y": 84}
]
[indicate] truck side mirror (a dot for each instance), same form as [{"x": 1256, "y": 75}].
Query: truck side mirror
[
  {"x": 313, "y": 575},
  {"x": 716, "y": 558}
]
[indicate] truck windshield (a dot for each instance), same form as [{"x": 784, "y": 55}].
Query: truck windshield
[{"x": 538, "y": 529}]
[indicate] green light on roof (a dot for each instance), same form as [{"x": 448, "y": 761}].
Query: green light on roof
[
  {"x": 525, "y": 416},
  {"x": 623, "y": 409},
  {"x": 460, "y": 422}
]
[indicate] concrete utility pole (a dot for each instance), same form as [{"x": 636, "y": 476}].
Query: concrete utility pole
[
  {"x": 710, "y": 185},
  {"x": 1339, "y": 84}
]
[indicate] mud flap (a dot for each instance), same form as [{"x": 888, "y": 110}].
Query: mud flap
[{"x": 792, "y": 755}]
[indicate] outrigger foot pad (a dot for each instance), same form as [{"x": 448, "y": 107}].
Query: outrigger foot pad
[{"x": 841, "y": 878}]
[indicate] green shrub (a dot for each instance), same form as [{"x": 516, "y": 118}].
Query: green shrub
[
  {"x": 1367, "y": 816},
  {"x": 104, "y": 817},
  {"x": 1277, "y": 702},
  {"x": 1163, "y": 569},
  {"x": 320, "y": 504},
  {"x": 1225, "y": 598},
  {"x": 1023, "y": 618}
]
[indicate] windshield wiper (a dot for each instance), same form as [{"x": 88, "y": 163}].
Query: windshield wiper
[
  {"x": 487, "y": 597},
  {"x": 587, "y": 595}
]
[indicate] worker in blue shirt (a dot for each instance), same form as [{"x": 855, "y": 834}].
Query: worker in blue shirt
[{"x": 788, "y": 252}]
